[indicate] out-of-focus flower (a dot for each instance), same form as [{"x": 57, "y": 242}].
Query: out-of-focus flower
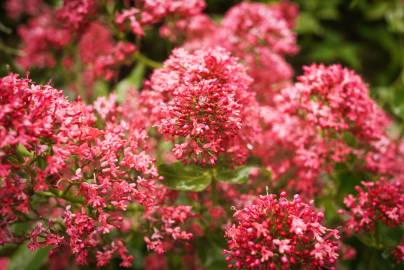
[
  {"x": 39, "y": 38},
  {"x": 16, "y": 8},
  {"x": 74, "y": 13},
  {"x": 149, "y": 12}
]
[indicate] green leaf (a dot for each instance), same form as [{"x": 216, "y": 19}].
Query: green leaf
[
  {"x": 101, "y": 89},
  {"x": 308, "y": 24},
  {"x": 185, "y": 177},
  {"x": 24, "y": 259},
  {"x": 23, "y": 152},
  {"x": 238, "y": 175},
  {"x": 133, "y": 80}
]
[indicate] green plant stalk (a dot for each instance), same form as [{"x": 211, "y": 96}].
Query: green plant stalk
[{"x": 147, "y": 61}]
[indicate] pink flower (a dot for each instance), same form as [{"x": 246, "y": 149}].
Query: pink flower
[
  {"x": 379, "y": 201},
  {"x": 298, "y": 226},
  {"x": 16, "y": 8},
  {"x": 268, "y": 233},
  {"x": 153, "y": 11},
  {"x": 170, "y": 223},
  {"x": 39, "y": 38},
  {"x": 207, "y": 106},
  {"x": 74, "y": 13},
  {"x": 307, "y": 127}
]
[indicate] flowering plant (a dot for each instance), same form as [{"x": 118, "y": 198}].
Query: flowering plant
[{"x": 184, "y": 141}]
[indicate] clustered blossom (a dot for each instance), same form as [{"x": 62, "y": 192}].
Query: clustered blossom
[
  {"x": 379, "y": 201},
  {"x": 16, "y": 8},
  {"x": 40, "y": 37},
  {"x": 50, "y": 32},
  {"x": 149, "y": 12},
  {"x": 324, "y": 118},
  {"x": 274, "y": 232},
  {"x": 101, "y": 55},
  {"x": 107, "y": 170},
  {"x": 399, "y": 253},
  {"x": 191, "y": 29},
  {"x": 253, "y": 24},
  {"x": 168, "y": 221},
  {"x": 386, "y": 158},
  {"x": 75, "y": 12},
  {"x": 259, "y": 34},
  {"x": 207, "y": 106},
  {"x": 28, "y": 113},
  {"x": 336, "y": 100}
]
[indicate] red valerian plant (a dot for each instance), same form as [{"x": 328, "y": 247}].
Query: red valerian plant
[
  {"x": 141, "y": 163},
  {"x": 103, "y": 170}
]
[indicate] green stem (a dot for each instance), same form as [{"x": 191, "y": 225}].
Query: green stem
[
  {"x": 9, "y": 50},
  {"x": 59, "y": 195},
  {"x": 147, "y": 61},
  {"x": 213, "y": 187}
]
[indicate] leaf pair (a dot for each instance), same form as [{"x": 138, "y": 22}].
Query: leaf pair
[{"x": 178, "y": 176}]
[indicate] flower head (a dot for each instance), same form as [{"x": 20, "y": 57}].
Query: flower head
[
  {"x": 379, "y": 201},
  {"x": 275, "y": 232},
  {"x": 208, "y": 109}
]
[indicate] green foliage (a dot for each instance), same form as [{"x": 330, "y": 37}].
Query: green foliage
[
  {"x": 24, "y": 259},
  {"x": 185, "y": 177},
  {"x": 134, "y": 79},
  {"x": 237, "y": 175}
]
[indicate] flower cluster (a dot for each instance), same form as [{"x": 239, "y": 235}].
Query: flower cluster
[
  {"x": 50, "y": 32},
  {"x": 337, "y": 100},
  {"x": 16, "y": 8},
  {"x": 107, "y": 170},
  {"x": 375, "y": 202},
  {"x": 274, "y": 232},
  {"x": 318, "y": 122},
  {"x": 171, "y": 219},
  {"x": 39, "y": 38},
  {"x": 151, "y": 12},
  {"x": 74, "y": 12},
  {"x": 207, "y": 105},
  {"x": 259, "y": 34}
]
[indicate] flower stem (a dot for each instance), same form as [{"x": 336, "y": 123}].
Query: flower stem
[{"x": 147, "y": 61}]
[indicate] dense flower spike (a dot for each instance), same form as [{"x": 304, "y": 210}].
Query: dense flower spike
[
  {"x": 100, "y": 54},
  {"x": 253, "y": 24},
  {"x": 208, "y": 107},
  {"x": 375, "y": 202},
  {"x": 275, "y": 233}
]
